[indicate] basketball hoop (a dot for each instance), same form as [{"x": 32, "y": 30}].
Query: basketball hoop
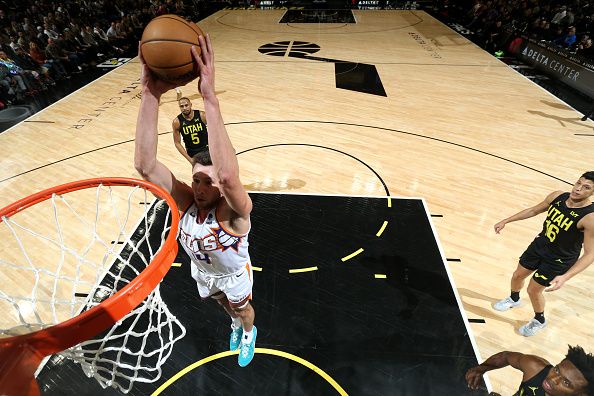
[{"x": 128, "y": 270}]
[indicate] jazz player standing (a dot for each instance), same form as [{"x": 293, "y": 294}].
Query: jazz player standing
[
  {"x": 554, "y": 256},
  {"x": 191, "y": 126},
  {"x": 216, "y": 208}
]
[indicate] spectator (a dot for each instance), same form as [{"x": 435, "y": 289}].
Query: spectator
[
  {"x": 75, "y": 50},
  {"x": 41, "y": 36},
  {"x": 56, "y": 53},
  {"x": 100, "y": 33},
  {"x": 13, "y": 42},
  {"x": 493, "y": 37},
  {"x": 16, "y": 75},
  {"x": 586, "y": 49},
  {"x": 7, "y": 92},
  {"x": 39, "y": 72},
  {"x": 559, "y": 16},
  {"x": 568, "y": 39},
  {"x": 55, "y": 67}
]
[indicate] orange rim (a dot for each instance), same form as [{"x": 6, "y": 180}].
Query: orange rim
[{"x": 97, "y": 319}]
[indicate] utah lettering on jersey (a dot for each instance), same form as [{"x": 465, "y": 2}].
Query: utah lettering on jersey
[
  {"x": 187, "y": 129},
  {"x": 555, "y": 222}
]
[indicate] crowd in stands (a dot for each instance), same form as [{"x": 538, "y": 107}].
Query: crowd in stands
[
  {"x": 566, "y": 24},
  {"x": 45, "y": 42}
]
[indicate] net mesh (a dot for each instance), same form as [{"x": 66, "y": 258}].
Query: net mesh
[{"x": 71, "y": 252}]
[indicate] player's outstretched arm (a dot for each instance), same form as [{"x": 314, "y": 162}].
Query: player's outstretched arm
[
  {"x": 145, "y": 147},
  {"x": 222, "y": 153},
  {"x": 529, "y": 212},
  {"x": 530, "y": 365}
]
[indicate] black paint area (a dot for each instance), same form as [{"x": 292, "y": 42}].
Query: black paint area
[
  {"x": 402, "y": 335},
  {"x": 318, "y": 16},
  {"x": 359, "y": 77}
]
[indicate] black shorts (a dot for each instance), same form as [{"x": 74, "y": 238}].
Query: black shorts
[
  {"x": 545, "y": 266},
  {"x": 193, "y": 150}
]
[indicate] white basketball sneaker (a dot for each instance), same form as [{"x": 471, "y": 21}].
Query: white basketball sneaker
[
  {"x": 532, "y": 327},
  {"x": 505, "y": 304}
]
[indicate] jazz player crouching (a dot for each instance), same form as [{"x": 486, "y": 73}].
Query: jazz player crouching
[
  {"x": 553, "y": 257},
  {"x": 216, "y": 208},
  {"x": 573, "y": 376}
]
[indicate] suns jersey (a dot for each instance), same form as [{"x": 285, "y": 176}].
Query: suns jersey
[{"x": 212, "y": 249}]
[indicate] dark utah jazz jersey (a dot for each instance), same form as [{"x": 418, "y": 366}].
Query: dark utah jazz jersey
[
  {"x": 533, "y": 386},
  {"x": 560, "y": 234},
  {"x": 193, "y": 132}
]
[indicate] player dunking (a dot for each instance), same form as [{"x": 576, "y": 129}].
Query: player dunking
[
  {"x": 191, "y": 126},
  {"x": 553, "y": 257},
  {"x": 216, "y": 208}
]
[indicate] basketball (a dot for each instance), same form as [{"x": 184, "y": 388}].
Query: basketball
[{"x": 166, "y": 47}]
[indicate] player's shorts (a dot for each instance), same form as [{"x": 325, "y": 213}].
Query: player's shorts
[
  {"x": 545, "y": 266},
  {"x": 192, "y": 151},
  {"x": 236, "y": 287}
]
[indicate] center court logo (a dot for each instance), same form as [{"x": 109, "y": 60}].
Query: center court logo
[{"x": 353, "y": 76}]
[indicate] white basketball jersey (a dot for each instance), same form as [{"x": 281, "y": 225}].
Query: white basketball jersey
[{"x": 212, "y": 248}]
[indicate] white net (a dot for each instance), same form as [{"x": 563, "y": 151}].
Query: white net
[{"x": 71, "y": 252}]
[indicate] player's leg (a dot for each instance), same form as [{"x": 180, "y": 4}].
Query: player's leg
[
  {"x": 207, "y": 288},
  {"x": 250, "y": 332},
  {"x": 238, "y": 289},
  {"x": 519, "y": 276},
  {"x": 246, "y": 314},
  {"x": 535, "y": 290},
  {"x": 546, "y": 272},
  {"x": 516, "y": 284},
  {"x": 236, "y": 322}
]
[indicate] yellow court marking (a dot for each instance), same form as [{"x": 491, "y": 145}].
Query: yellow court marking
[
  {"x": 383, "y": 227},
  {"x": 257, "y": 269},
  {"x": 265, "y": 351},
  {"x": 176, "y": 264},
  {"x": 296, "y": 270},
  {"x": 380, "y": 276},
  {"x": 350, "y": 256},
  {"x": 389, "y": 202}
]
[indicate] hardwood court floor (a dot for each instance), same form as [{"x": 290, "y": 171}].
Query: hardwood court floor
[{"x": 474, "y": 138}]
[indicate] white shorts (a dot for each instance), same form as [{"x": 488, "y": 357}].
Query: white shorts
[{"x": 236, "y": 287}]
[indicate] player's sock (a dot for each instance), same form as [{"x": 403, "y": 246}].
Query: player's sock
[
  {"x": 539, "y": 316},
  {"x": 236, "y": 323},
  {"x": 515, "y": 295},
  {"x": 247, "y": 336}
]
